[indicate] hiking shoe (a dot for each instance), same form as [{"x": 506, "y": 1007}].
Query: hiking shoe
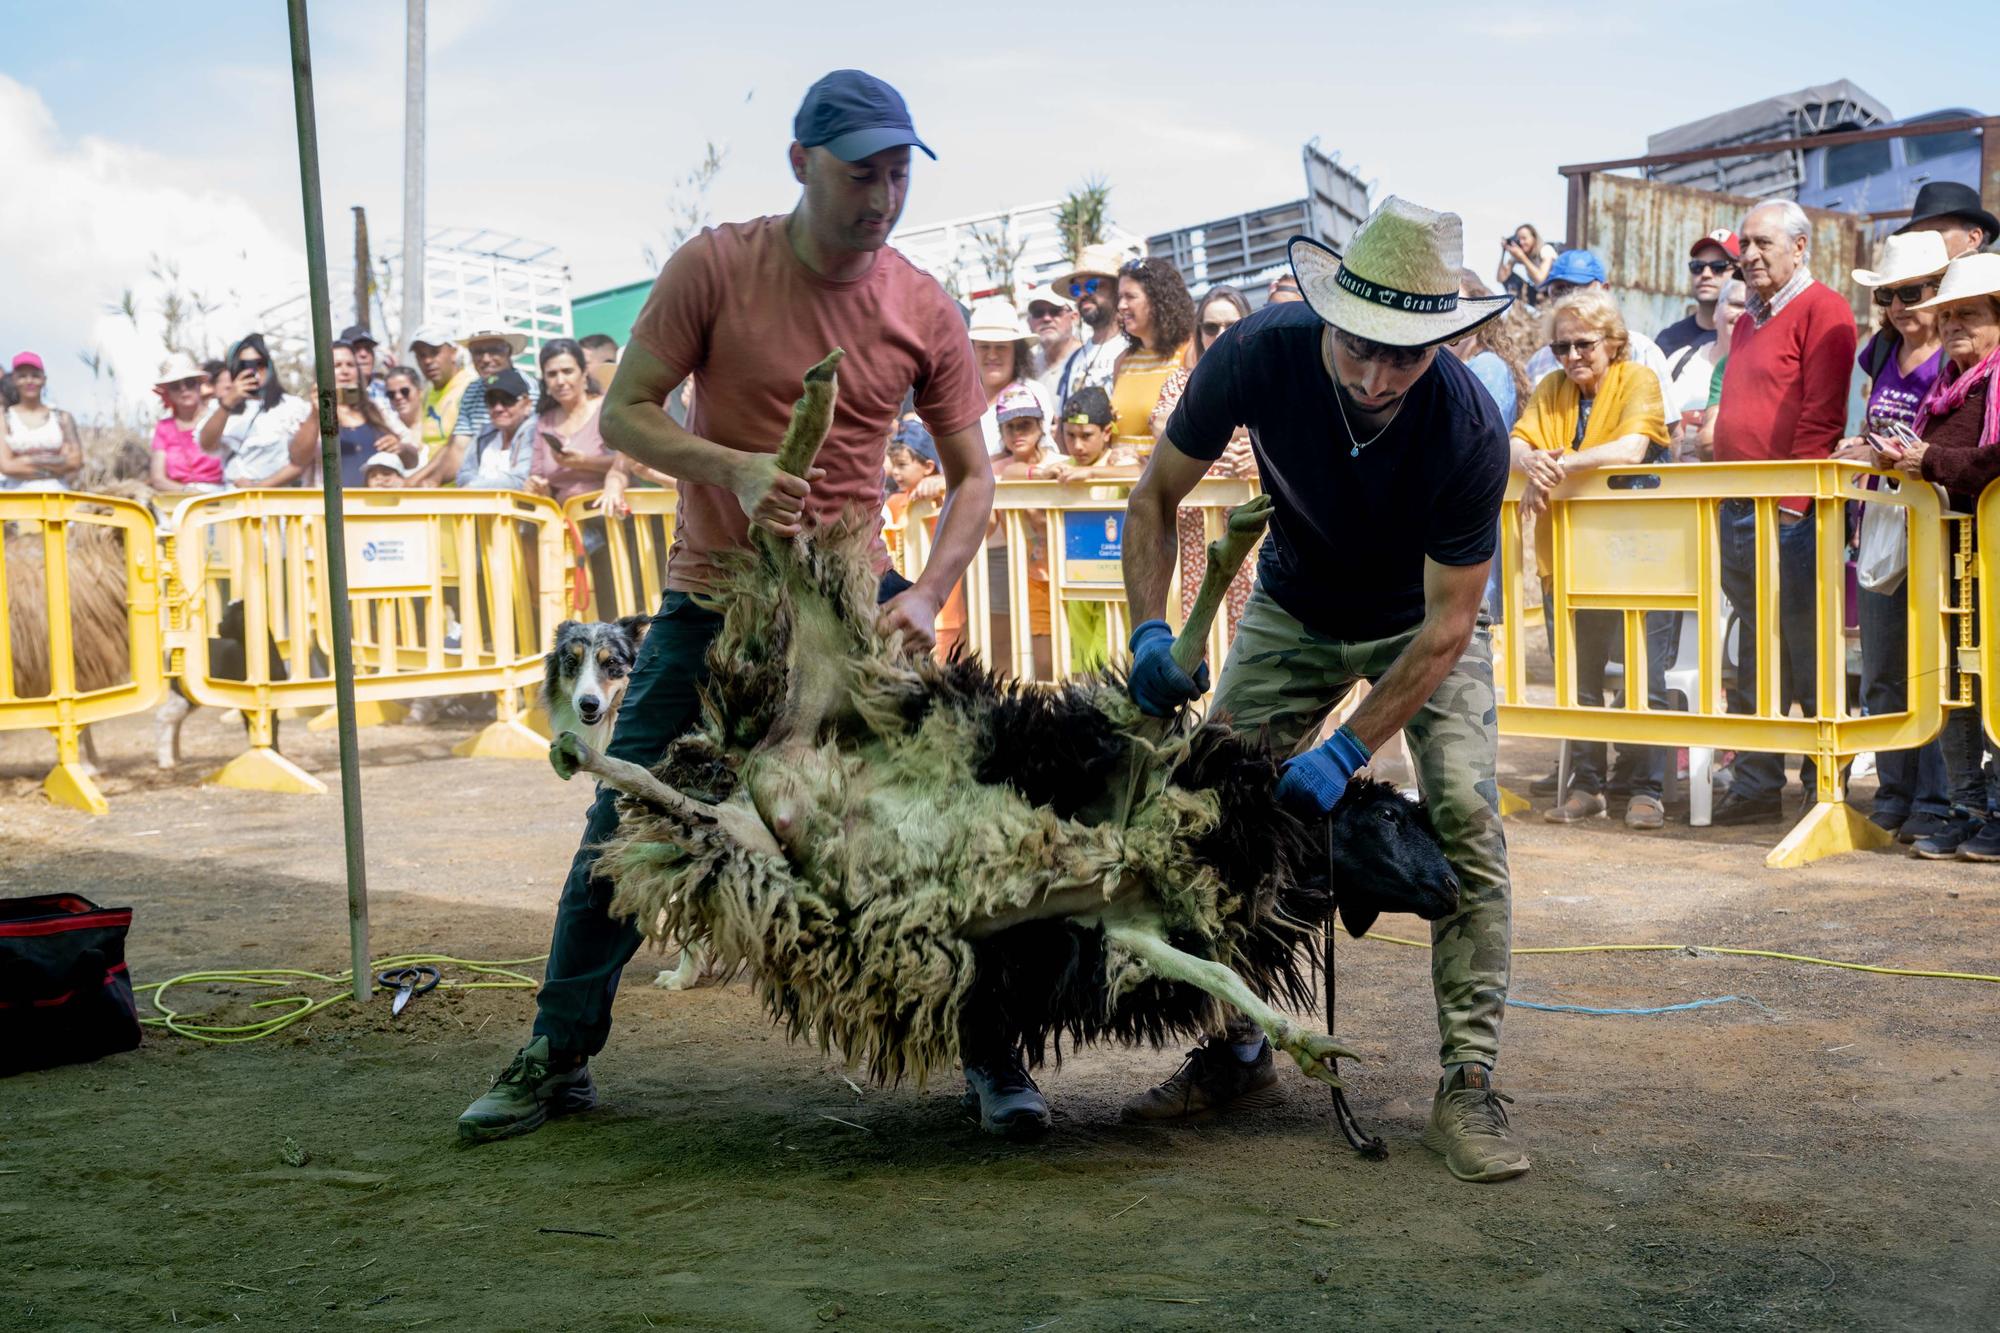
[
  {"x": 1544, "y": 786},
  {"x": 1006, "y": 1100},
  {"x": 1944, "y": 844},
  {"x": 1922, "y": 824},
  {"x": 1736, "y": 809},
  {"x": 1580, "y": 805},
  {"x": 527, "y": 1092},
  {"x": 1983, "y": 845},
  {"x": 1888, "y": 821},
  {"x": 1212, "y": 1079},
  {"x": 1645, "y": 813},
  {"x": 1469, "y": 1127}
]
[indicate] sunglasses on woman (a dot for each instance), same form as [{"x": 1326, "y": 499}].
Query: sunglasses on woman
[
  {"x": 1909, "y": 294},
  {"x": 188, "y": 385},
  {"x": 400, "y": 394},
  {"x": 1582, "y": 347}
]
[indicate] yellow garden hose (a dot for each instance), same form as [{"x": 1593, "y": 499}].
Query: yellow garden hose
[{"x": 298, "y": 1006}]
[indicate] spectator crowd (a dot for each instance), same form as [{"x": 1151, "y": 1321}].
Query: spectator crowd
[{"x": 1080, "y": 375}]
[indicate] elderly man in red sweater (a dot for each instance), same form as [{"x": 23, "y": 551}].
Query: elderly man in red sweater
[{"x": 1784, "y": 395}]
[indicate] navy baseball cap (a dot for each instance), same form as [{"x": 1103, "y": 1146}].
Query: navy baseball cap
[
  {"x": 1576, "y": 267},
  {"x": 855, "y": 115},
  {"x": 510, "y": 382}
]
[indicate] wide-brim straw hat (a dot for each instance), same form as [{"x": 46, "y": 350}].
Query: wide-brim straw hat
[
  {"x": 1904, "y": 258},
  {"x": 516, "y": 341},
  {"x": 995, "y": 320},
  {"x": 1397, "y": 283},
  {"x": 1096, "y": 261},
  {"x": 1966, "y": 277},
  {"x": 177, "y": 367}
]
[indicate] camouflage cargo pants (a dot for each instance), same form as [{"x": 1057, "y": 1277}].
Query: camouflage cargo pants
[{"x": 1282, "y": 675}]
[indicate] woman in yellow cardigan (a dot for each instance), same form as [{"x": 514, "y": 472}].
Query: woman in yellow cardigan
[{"x": 1601, "y": 408}]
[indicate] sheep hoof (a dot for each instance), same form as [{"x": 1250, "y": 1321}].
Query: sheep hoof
[
  {"x": 1315, "y": 1053},
  {"x": 566, "y": 755}
]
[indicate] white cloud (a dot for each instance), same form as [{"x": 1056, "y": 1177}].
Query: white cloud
[{"x": 81, "y": 222}]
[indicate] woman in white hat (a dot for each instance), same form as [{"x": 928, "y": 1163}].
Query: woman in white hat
[
  {"x": 1902, "y": 361},
  {"x": 1005, "y": 349},
  {"x": 178, "y": 461},
  {"x": 1958, "y": 426}
]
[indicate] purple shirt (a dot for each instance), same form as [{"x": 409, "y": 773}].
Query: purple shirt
[{"x": 1895, "y": 396}]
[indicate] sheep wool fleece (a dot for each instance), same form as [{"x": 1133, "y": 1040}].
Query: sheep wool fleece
[{"x": 1283, "y": 676}]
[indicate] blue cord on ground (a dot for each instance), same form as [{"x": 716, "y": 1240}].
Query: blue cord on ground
[{"x": 1513, "y": 1003}]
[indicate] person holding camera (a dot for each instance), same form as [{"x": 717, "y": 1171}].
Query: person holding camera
[{"x": 1527, "y": 251}]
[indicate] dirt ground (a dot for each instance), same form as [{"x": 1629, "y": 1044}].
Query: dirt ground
[{"x": 1822, "y": 1158}]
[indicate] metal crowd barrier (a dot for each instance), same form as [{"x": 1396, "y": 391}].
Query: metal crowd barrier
[
  {"x": 44, "y": 689},
  {"x": 631, "y": 564},
  {"x": 453, "y": 592},
  {"x": 1640, "y": 539},
  {"x": 1081, "y": 530}
]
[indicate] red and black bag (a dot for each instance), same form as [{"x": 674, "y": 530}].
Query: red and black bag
[{"x": 65, "y": 996}]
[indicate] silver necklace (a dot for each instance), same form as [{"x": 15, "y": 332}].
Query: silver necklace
[{"x": 1359, "y": 444}]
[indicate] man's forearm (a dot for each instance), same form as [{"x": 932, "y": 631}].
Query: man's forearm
[
  {"x": 961, "y": 530},
  {"x": 1410, "y": 680},
  {"x": 647, "y": 435},
  {"x": 1150, "y": 541}
]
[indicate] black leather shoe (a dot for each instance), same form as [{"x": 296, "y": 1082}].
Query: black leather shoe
[
  {"x": 1748, "y": 810},
  {"x": 1888, "y": 821}
]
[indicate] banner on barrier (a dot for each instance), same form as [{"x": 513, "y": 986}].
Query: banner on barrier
[{"x": 390, "y": 554}]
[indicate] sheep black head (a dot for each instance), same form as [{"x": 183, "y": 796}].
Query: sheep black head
[{"x": 1386, "y": 857}]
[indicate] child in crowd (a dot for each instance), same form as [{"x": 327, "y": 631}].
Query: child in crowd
[
  {"x": 913, "y": 459},
  {"x": 1027, "y": 457},
  {"x": 385, "y": 472},
  {"x": 1086, "y": 437}
]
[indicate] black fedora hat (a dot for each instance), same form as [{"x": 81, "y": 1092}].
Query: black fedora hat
[{"x": 1951, "y": 199}]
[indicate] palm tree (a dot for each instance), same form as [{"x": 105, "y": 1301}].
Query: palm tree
[{"x": 1081, "y": 217}]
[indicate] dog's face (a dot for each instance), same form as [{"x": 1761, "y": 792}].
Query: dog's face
[
  {"x": 1387, "y": 857},
  {"x": 588, "y": 666}
]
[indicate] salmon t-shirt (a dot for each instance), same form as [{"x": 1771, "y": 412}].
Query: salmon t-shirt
[{"x": 736, "y": 309}]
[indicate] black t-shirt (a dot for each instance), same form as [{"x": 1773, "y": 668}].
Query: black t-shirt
[
  {"x": 1350, "y": 533},
  {"x": 1683, "y": 333}
]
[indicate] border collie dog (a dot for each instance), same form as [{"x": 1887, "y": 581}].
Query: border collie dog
[
  {"x": 587, "y": 669},
  {"x": 588, "y": 665}
]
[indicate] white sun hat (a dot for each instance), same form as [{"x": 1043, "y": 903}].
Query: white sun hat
[
  {"x": 1398, "y": 282},
  {"x": 995, "y": 320},
  {"x": 177, "y": 367},
  {"x": 1966, "y": 277},
  {"x": 1904, "y": 258}
]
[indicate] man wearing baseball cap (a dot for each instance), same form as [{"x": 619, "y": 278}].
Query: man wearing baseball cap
[
  {"x": 745, "y": 308},
  {"x": 1711, "y": 262},
  {"x": 1386, "y": 464}
]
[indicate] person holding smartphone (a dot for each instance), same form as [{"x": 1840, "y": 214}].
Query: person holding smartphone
[{"x": 570, "y": 457}]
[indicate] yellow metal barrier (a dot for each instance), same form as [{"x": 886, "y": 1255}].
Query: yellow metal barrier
[
  {"x": 632, "y": 563},
  {"x": 452, "y": 592},
  {"x": 1081, "y": 530},
  {"x": 90, "y": 566},
  {"x": 1656, "y": 547}
]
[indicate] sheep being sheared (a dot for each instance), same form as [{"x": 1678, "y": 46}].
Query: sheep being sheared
[{"x": 891, "y": 846}]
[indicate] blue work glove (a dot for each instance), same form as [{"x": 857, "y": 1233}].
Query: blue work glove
[
  {"x": 1157, "y": 683},
  {"x": 1312, "y": 782}
]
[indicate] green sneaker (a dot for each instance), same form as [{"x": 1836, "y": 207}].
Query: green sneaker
[
  {"x": 525, "y": 1095},
  {"x": 1469, "y": 1127}
]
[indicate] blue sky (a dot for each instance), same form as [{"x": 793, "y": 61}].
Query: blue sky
[{"x": 137, "y": 128}]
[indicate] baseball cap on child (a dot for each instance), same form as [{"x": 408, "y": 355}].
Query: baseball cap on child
[
  {"x": 1089, "y": 406},
  {"x": 912, "y": 435},
  {"x": 1016, "y": 401}
]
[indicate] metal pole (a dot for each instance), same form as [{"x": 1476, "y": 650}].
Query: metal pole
[
  {"x": 336, "y": 523},
  {"x": 413, "y": 174}
]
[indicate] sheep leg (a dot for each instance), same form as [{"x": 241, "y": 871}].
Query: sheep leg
[
  {"x": 812, "y": 416},
  {"x": 1315, "y": 1052},
  {"x": 1226, "y": 555},
  {"x": 570, "y": 756}
]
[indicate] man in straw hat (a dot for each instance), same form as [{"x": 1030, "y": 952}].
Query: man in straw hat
[
  {"x": 1092, "y": 286},
  {"x": 1387, "y": 464}
]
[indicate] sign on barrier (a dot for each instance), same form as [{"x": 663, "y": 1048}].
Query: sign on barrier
[
  {"x": 1634, "y": 539},
  {"x": 465, "y": 588},
  {"x": 79, "y": 600}
]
